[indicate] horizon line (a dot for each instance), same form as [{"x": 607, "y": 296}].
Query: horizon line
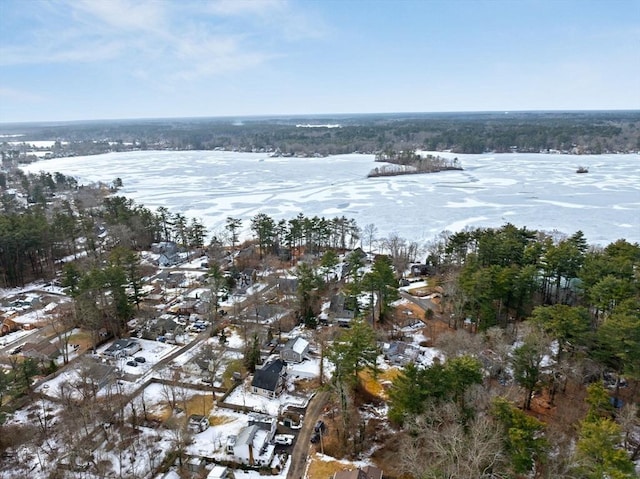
[{"x": 308, "y": 116}]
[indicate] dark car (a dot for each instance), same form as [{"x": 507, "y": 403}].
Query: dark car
[
  {"x": 140, "y": 359},
  {"x": 315, "y": 438},
  {"x": 132, "y": 363},
  {"x": 320, "y": 427}
]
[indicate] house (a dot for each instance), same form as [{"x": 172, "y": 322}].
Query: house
[
  {"x": 287, "y": 285},
  {"x": 269, "y": 381},
  {"x": 218, "y": 472},
  {"x": 161, "y": 326},
  {"x": 185, "y": 307},
  {"x": 252, "y": 446},
  {"x": 295, "y": 350},
  {"x": 165, "y": 260},
  {"x": 123, "y": 347},
  {"x": 366, "y": 472},
  {"x": 400, "y": 353},
  {"x": 96, "y": 375},
  {"x": 338, "y": 309},
  {"x": 197, "y": 423},
  {"x": 8, "y": 325},
  {"x": 357, "y": 257},
  {"x": 195, "y": 464},
  {"x": 247, "y": 277},
  {"x": 419, "y": 270},
  {"x": 43, "y": 350},
  {"x": 265, "y": 422},
  {"x": 167, "y": 247}
]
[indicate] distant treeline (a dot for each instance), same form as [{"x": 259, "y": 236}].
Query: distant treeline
[{"x": 574, "y": 132}]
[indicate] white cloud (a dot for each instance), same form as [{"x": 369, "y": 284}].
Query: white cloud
[
  {"x": 124, "y": 14},
  {"x": 16, "y": 95},
  {"x": 61, "y": 52},
  {"x": 165, "y": 41},
  {"x": 245, "y": 7}
]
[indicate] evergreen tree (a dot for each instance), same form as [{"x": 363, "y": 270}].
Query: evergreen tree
[
  {"x": 523, "y": 436},
  {"x": 354, "y": 350}
]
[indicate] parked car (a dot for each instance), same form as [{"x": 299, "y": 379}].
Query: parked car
[
  {"x": 140, "y": 359},
  {"x": 320, "y": 427},
  {"x": 283, "y": 439},
  {"x": 315, "y": 438},
  {"x": 132, "y": 363}
]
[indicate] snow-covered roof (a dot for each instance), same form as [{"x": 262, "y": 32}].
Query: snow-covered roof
[{"x": 298, "y": 345}]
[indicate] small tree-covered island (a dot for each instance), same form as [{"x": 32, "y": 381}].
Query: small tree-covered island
[
  {"x": 411, "y": 163},
  {"x": 136, "y": 343}
]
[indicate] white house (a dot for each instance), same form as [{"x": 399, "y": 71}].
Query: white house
[
  {"x": 295, "y": 350},
  {"x": 252, "y": 446}
]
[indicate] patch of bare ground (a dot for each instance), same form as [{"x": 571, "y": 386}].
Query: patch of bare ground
[
  {"x": 307, "y": 385},
  {"x": 566, "y": 409},
  {"x": 82, "y": 339},
  {"x": 322, "y": 467}
]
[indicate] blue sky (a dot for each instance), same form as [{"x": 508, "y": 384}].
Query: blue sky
[{"x": 99, "y": 59}]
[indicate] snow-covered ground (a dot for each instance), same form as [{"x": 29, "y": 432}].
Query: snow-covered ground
[
  {"x": 242, "y": 396},
  {"x": 534, "y": 190}
]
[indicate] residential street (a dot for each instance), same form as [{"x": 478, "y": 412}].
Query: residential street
[{"x": 300, "y": 452}]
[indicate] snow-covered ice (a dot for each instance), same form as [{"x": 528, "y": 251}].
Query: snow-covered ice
[{"x": 539, "y": 191}]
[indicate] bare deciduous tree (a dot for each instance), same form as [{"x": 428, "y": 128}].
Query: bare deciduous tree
[{"x": 438, "y": 444}]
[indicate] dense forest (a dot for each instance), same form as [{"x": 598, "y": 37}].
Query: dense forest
[{"x": 574, "y": 132}]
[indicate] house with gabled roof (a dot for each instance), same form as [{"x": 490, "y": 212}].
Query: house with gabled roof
[
  {"x": 295, "y": 350},
  {"x": 44, "y": 350},
  {"x": 123, "y": 347},
  {"x": 366, "y": 472},
  {"x": 269, "y": 381},
  {"x": 251, "y": 446}
]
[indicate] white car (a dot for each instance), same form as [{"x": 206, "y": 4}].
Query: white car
[{"x": 283, "y": 439}]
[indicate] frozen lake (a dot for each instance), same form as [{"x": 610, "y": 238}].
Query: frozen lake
[{"x": 541, "y": 192}]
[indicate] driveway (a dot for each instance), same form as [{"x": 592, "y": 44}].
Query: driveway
[{"x": 300, "y": 453}]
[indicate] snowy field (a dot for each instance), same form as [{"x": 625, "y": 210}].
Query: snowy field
[{"x": 537, "y": 191}]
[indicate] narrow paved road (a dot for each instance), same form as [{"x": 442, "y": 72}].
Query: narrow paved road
[{"x": 300, "y": 452}]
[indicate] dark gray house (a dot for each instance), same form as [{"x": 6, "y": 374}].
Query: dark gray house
[{"x": 269, "y": 381}]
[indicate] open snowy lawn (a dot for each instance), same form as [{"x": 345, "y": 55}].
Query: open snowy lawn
[{"x": 540, "y": 191}]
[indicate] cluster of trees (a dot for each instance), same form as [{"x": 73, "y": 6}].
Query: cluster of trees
[
  {"x": 311, "y": 235},
  {"x": 36, "y": 237},
  {"x": 547, "y": 313},
  {"x": 136, "y": 227},
  {"x": 33, "y": 237},
  {"x": 587, "y": 300},
  {"x": 455, "y": 423},
  {"x": 410, "y": 162},
  {"x": 498, "y": 275},
  {"x": 587, "y": 132}
]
